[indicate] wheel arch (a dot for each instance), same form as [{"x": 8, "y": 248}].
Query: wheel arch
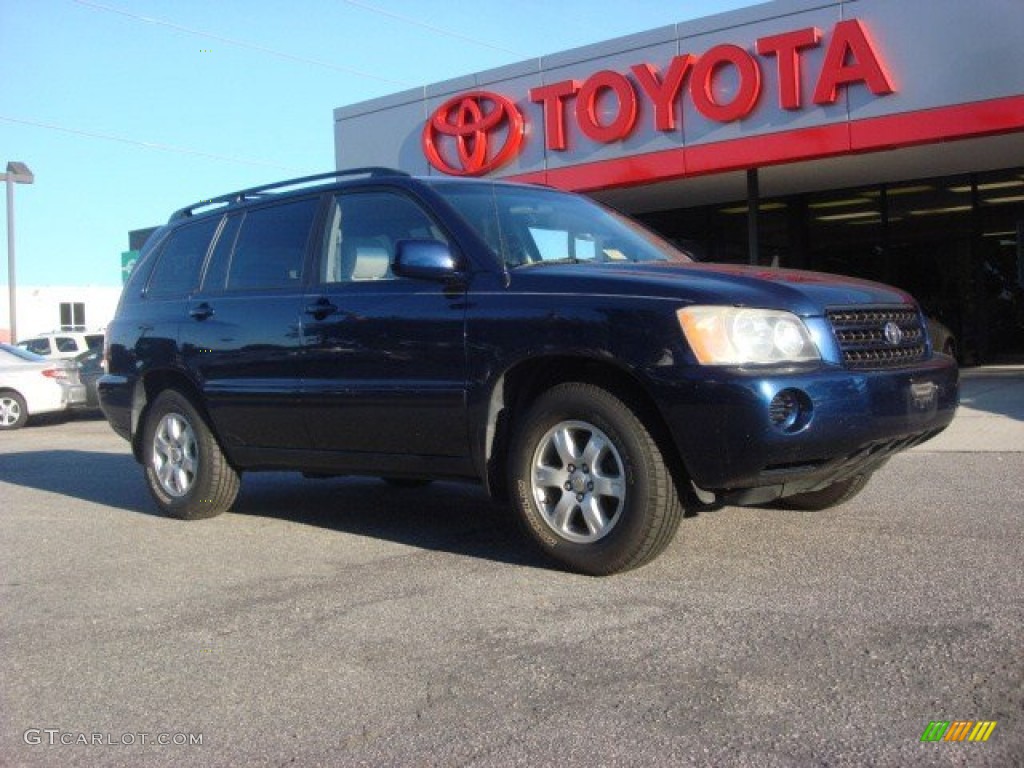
[
  {"x": 146, "y": 391},
  {"x": 521, "y": 384}
]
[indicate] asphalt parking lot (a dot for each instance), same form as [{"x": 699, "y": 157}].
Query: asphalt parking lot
[{"x": 344, "y": 622}]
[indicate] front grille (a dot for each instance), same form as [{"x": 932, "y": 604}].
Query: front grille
[{"x": 862, "y": 338}]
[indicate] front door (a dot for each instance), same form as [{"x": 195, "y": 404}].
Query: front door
[{"x": 385, "y": 358}]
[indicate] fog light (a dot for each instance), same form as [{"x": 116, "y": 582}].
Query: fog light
[{"x": 790, "y": 410}]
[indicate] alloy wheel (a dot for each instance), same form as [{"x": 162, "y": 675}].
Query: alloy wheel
[
  {"x": 578, "y": 481},
  {"x": 175, "y": 456}
]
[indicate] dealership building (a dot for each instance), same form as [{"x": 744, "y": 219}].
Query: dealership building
[{"x": 877, "y": 138}]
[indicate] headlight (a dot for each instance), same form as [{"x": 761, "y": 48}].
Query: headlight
[{"x": 738, "y": 336}]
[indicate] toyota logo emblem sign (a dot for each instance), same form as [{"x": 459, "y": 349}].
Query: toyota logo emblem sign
[
  {"x": 473, "y": 134},
  {"x": 893, "y": 333},
  {"x": 477, "y": 132}
]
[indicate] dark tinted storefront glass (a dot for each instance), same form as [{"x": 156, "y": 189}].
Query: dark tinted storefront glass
[
  {"x": 844, "y": 233},
  {"x": 953, "y": 242},
  {"x": 999, "y": 264}
]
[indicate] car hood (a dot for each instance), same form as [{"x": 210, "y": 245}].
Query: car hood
[{"x": 806, "y": 293}]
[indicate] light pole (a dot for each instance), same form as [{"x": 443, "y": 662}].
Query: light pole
[{"x": 17, "y": 173}]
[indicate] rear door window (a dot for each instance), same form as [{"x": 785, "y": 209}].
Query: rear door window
[
  {"x": 270, "y": 250},
  {"x": 216, "y": 275},
  {"x": 66, "y": 344}
]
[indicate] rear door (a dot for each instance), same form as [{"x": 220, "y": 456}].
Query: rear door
[
  {"x": 386, "y": 365},
  {"x": 242, "y": 338},
  {"x": 152, "y": 319}
]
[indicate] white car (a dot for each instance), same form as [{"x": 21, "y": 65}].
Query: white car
[
  {"x": 61, "y": 344},
  {"x": 30, "y": 385}
]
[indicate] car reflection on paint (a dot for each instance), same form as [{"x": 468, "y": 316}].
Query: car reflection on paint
[
  {"x": 941, "y": 337},
  {"x": 90, "y": 369}
]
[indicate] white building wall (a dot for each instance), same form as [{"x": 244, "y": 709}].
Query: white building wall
[{"x": 39, "y": 307}]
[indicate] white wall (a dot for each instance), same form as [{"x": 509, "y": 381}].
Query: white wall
[{"x": 39, "y": 307}]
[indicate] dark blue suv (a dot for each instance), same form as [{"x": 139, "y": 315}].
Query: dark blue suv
[{"x": 367, "y": 322}]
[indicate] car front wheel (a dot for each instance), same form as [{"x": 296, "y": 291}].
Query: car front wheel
[
  {"x": 186, "y": 471},
  {"x": 590, "y": 484}
]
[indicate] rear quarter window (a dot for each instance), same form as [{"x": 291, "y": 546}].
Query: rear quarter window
[{"x": 176, "y": 273}]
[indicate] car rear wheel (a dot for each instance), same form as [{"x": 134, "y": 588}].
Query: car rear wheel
[
  {"x": 13, "y": 411},
  {"x": 590, "y": 484},
  {"x": 186, "y": 471},
  {"x": 831, "y": 496}
]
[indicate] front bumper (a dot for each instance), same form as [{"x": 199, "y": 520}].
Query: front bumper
[{"x": 721, "y": 422}]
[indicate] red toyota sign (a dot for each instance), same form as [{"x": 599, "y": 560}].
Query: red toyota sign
[
  {"x": 478, "y": 132},
  {"x": 485, "y": 129}
]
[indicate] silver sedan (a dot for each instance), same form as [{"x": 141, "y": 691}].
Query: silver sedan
[{"x": 30, "y": 385}]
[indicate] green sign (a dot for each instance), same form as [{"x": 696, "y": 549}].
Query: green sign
[{"x": 128, "y": 259}]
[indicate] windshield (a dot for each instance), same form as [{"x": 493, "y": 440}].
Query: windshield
[{"x": 532, "y": 226}]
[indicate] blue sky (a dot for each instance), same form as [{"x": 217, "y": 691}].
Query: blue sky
[{"x": 124, "y": 112}]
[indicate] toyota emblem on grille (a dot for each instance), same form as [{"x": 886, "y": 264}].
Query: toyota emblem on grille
[
  {"x": 893, "y": 333},
  {"x": 473, "y": 134}
]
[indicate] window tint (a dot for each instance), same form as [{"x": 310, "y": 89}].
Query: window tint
[
  {"x": 177, "y": 271},
  {"x": 217, "y": 269},
  {"x": 271, "y": 246},
  {"x": 66, "y": 344},
  {"x": 143, "y": 268},
  {"x": 38, "y": 346},
  {"x": 95, "y": 341},
  {"x": 138, "y": 279},
  {"x": 363, "y": 228}
]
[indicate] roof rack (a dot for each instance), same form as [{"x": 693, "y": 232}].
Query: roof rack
[{"x": 254, "y": 193}]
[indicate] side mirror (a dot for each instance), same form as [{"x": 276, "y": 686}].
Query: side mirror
[{"x": 425, "y": 260}]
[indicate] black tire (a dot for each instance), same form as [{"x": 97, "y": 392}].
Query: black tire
[
  {"x": 832, "y": 496},
  {"x": 949, "y": 348},
  {"x": 186, "y": 471},
  {"x": 407, "y": 482},
  {"x": 627, "y": 526},
  {"x": 13, "y": 411}
]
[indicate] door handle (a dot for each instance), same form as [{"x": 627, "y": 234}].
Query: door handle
[
  {"x": 201, "y": 312},
  {"x": 321, "y": 308}
]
